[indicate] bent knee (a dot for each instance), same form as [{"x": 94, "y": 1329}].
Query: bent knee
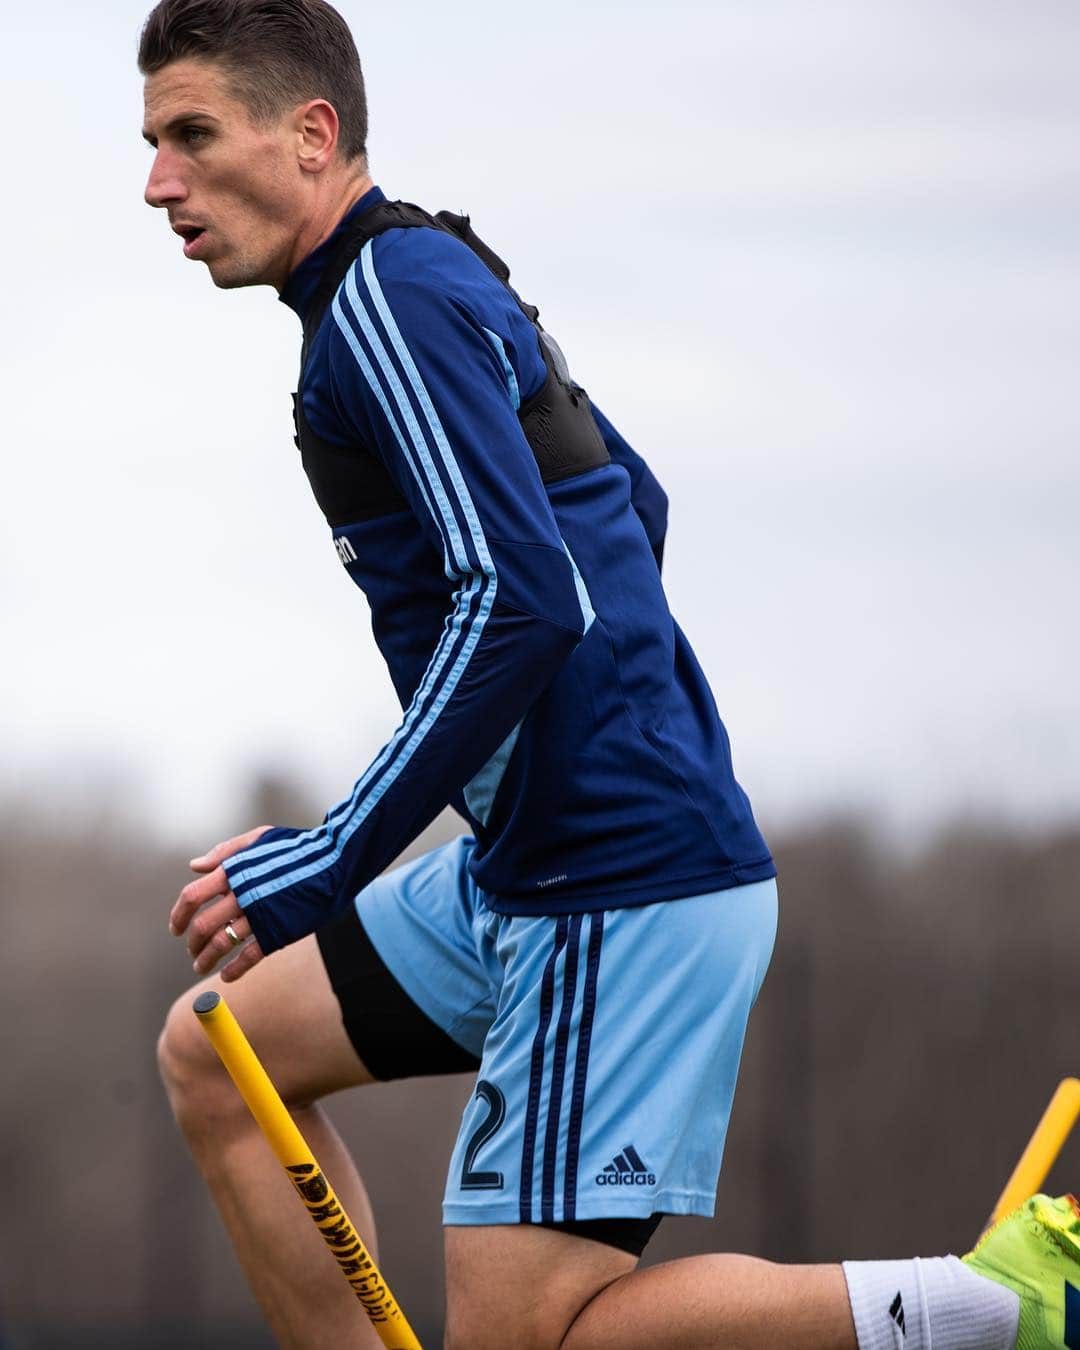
[{"x": 291, "y": 1019}]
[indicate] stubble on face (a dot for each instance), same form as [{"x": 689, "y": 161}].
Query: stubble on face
[{"x": 216, "y": 169}]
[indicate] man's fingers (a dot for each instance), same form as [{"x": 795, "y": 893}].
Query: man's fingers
[
  {"x": 242, "y": 962},
  {"x": 210, "y": 922},
  {"x": 213, "y": 857},
  {"x": 218, "y": 943},
  {"x": 205, "y": 922},
  {"x": 195, "y": 894}
]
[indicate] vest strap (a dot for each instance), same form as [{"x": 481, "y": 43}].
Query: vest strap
[{"x": 557, "y": 421}]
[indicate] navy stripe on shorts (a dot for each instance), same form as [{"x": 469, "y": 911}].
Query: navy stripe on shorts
[{"x": 566, "y": 942}]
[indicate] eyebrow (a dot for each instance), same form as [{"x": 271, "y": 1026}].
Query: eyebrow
[{"x": 178, "y": 121}]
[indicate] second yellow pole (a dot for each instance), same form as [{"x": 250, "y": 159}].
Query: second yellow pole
[{"x": 1043, "y": 1148}]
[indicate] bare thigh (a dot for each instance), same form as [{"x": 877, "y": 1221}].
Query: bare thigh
[
  {"x": 291, "y": 1015},
  {"x": 533, "y": 1280}
]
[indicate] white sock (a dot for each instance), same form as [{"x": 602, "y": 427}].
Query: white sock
[{"x": 930, "y": 1303}]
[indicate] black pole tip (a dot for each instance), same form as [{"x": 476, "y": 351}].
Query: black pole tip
[{"x": 207, "y": 1002}]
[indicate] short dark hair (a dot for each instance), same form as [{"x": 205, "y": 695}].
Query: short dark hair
[{"x": 277, "y": 53}]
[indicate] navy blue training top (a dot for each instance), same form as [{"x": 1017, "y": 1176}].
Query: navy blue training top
[{"x": 547, "y": 692}]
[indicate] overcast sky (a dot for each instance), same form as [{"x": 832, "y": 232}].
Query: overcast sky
[{"x": 818, "y": 262}]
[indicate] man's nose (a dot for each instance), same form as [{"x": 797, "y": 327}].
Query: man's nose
[{"x": 165, "y": 184}]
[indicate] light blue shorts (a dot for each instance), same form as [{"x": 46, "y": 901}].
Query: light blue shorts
[{"x": 609, "y": 1042}]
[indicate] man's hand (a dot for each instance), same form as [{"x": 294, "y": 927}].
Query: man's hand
[{"x": 208, "y": 942}]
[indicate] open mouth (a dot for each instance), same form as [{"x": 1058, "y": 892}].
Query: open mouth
[{"x": 191, "y": 235}]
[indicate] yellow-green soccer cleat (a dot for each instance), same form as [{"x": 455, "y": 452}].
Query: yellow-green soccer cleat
[{"x": 1035, "y": 1251}]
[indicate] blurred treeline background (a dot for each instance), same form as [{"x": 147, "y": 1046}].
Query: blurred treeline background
[{"x": 918, "y": 1013}]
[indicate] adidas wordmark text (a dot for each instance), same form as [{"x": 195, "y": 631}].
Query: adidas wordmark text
[{"x": 626, "y": 1169}]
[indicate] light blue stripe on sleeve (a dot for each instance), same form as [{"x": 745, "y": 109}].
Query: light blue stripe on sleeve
[
  {"x": 386, "y": 366},
  {"x": 508, "y": 370},
  {"x": 384, "y": 403},
  {"x": 281, "y": 852},
  {"x": 464, "y": 497},
  {"x": 375, "y": 794}
]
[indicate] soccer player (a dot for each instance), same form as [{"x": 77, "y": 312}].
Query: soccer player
[{"x": 593, "y": 947}]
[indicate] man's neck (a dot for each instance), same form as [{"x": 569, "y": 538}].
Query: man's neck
[{"x": 323, "y": 222}]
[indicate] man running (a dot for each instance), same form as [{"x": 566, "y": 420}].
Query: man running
[{"x": 593, "y": 948}]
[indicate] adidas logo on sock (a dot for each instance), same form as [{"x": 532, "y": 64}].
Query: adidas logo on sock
[
  {"x": 626, "y": 1169},
  {"x": 896, "y": 1312}
]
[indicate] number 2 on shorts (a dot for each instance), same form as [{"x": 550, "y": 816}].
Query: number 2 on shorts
[{"x": 496, "y": 1113}]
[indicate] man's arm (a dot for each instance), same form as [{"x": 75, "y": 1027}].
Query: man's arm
[
  {"x": 418, "y": 377},
  {"x": 647, "y": 497}
]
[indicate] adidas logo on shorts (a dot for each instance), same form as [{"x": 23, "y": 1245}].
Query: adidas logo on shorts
[{"x": 626, "y": 1169}]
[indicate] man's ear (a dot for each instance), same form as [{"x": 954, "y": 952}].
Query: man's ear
[{"x": 316, "y": 127}]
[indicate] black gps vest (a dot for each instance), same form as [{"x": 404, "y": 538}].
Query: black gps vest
[{"x": 353, "y": 485}]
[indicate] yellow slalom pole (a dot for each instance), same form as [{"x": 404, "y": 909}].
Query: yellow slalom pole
[
  {"x": 304, "y": 1172},
  {"x": 1043, "y": 1148}
]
